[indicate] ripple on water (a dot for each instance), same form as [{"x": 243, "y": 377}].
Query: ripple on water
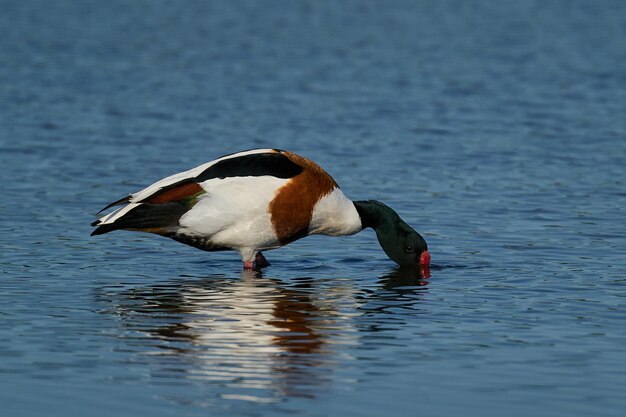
[
  {"x": 257, "y": 338},
  {"x": 495, "y": 129}
]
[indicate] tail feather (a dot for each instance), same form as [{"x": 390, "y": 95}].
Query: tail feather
[
  {"x": 148, "y": 217},
  {"x": 122, "y": 200}
]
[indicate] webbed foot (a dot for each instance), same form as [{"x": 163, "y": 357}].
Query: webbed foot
[{"x": 260, "y": 261}]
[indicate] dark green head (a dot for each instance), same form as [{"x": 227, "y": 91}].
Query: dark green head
[{"x": 400, "y": 242}]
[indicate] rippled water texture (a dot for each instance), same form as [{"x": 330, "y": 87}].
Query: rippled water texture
[{"x": 496, "y": 128}]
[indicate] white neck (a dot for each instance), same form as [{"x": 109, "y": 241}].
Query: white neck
[{"x": 335, "y": 215}]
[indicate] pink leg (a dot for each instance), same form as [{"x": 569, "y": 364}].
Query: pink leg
[{"x": 258, "y": 263}]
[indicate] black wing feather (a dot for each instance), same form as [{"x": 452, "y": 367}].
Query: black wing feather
[
  {"x": 254, "y": 165},
  {"x": 146, "y": 216}
]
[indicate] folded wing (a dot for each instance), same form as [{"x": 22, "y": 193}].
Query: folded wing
[{"x": 159, "y": 207}]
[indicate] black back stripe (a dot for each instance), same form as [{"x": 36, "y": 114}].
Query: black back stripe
[{"x": 254, "y": 165}]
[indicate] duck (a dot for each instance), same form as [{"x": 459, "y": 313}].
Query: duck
[{"x": 258, "y": 200}]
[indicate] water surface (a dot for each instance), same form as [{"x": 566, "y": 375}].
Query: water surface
[{"x": 496, "y": 129}]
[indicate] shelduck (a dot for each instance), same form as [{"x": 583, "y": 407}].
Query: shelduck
[{"x": 257, "y": 200}]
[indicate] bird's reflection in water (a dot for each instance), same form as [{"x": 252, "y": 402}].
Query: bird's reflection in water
[
  {"x": 405, "y": 277},
  {"x": 396, "y": 297},
  {"x": 259, "y": 339}
]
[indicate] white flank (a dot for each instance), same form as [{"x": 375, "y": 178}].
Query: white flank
[
  {"x": 335, "y": 215},
  {"x": 234, "y": 212}
]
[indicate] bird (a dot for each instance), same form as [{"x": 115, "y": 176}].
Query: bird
[{"x": 257, "y": 200}]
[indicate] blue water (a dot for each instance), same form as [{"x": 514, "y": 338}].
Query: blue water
[{"x": 496, "y": 129}]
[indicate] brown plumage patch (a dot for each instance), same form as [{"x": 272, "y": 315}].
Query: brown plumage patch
[
  {"x": 295, "y": 314},
  {"x": 183, "y": 191},
  {"x": 292, "y": 208}
]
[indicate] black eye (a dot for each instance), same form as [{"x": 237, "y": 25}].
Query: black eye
[{"x": 408, "y": 248}]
